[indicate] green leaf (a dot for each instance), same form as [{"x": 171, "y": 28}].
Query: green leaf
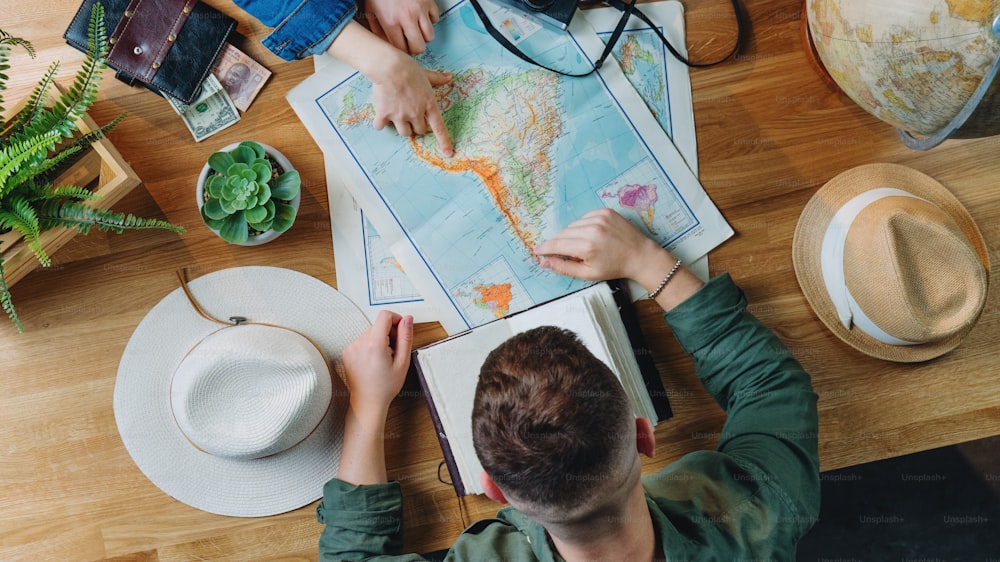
[
  {"x": 5, "y": 301},
  {"x": 220, "y": 162},
  {"x": 234, "y": 229},
  {"x": 231, "y": 189},
  {"x": 214, "y": 224},
  {"x": 214, "y": 185},
  {"x": 81, "y": 216},
  {"x": 236, "y": 169},
  {"x": 19, "y": 215},
  {"x": 213, "y": 209},
  {"x": 248, "y": 175},
  {"x": 269, "y": 206},
  {"x": 244, "y": 154},
  {"x": 263, "y": 193},
  {"x": 287, "y": 186},
  {"x": 257, "y": 149},
  {"x": 13, "y": 156},
  {"x": 256, "y": 214},
  {"x": 284, "y": 216},
  {"x": 263, "y": 225},
  {"x": 72, "y": 192},
  {"x": 227, "y": 206},
  {"x": 262, "y": 170}
]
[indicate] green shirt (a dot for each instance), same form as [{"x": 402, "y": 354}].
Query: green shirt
[{"x": 751, "y": 499}]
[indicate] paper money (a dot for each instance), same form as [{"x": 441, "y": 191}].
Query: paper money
[
  {"x": 209, "y": 87},
  {"x": 211, "y": 112},
  {"x": 241, "y": 76}
]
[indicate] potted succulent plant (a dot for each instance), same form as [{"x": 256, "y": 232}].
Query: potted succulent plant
[
  {"x": 248, "y": 193},
  {"x": 40, "y": 141}
]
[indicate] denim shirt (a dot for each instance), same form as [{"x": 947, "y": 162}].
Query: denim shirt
[{"x": 300, "y": 28}]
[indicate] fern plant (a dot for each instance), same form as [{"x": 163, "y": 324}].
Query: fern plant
[{"x": 37, "y": 141}]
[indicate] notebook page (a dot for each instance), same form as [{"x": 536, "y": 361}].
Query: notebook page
[
  {"x": 569, "y": 312},
  {"x": 451, "y": 370},
  {"x": 604, "y": 310}
]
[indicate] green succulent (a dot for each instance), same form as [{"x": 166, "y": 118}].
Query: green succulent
[
  {"x": 243, "y": 192},
  {"x": 39, "y": 141}
]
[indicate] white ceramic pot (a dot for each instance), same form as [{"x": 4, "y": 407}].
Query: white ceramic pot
[{"x": 264, "y": 237}]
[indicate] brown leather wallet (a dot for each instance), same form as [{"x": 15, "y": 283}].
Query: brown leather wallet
[
  {"x": 167, "y": 45},
  {"x": 145, "y": 33}
]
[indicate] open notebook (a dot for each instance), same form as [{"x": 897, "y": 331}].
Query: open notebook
[{"x": 602, "y": 315}]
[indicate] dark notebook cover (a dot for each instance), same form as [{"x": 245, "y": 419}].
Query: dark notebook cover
[{"x": 643, "y": 356}]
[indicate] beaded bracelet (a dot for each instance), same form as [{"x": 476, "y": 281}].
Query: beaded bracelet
[{"x": 663, "y": 283}]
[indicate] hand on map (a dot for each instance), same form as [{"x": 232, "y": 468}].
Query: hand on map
[
  {"x": 406, "y": 24},
  {"x": 403, "y": 91},
  {"x": 600, "y": 245},
  {"x": 404, "y": 96},
  {"x": 604, "y": 245}
]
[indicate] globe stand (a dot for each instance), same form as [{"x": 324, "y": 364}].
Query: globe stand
[{"x": 962, "y": 116}]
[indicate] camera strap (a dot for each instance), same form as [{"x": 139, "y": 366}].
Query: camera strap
[{"x": 627, "y": 9}]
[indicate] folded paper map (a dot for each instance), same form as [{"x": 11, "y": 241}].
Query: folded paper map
[{"x": 534, "y": 151}]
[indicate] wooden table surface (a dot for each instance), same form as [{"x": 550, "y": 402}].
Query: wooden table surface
[{"x": 770, "y": 132}]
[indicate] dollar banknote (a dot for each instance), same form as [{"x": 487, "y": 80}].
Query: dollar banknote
[
  {"x": 209, "y": 86},
  {"x": 210, "y": 112}
]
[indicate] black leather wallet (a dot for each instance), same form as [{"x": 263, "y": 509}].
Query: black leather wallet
[{"x": 166, "y": 45}]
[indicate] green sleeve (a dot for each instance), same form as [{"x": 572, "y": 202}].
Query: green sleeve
[
  {"x": 366, "y": 523},
  {"x": 361, "y": 522},
  {"x": 771, "y": 424}
]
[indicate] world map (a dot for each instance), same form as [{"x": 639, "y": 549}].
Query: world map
[{"x": 533, "y": 152}]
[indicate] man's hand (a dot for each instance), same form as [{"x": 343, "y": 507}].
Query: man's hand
[
  {"x": 604, "y": 245},
  {"x": 406, "y": 24},
  {"x": 600, "y": 245},
  {"x": 377, "y": 361},
  {"x": 376, "y": 365}
]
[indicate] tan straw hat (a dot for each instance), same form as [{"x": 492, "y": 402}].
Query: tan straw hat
[
  {"x": 891, "y": 262},
  {"x": 244, "y": 418}
]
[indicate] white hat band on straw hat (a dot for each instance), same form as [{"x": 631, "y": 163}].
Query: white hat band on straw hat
[
  {"x": 848, "y": 310},
  {"x": 891, "y": 262}
]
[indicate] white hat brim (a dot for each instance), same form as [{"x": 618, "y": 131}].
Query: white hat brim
[{"x": 266, "y": 486}]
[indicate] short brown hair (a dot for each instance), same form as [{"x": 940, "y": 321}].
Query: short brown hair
[{"x": 549, "y": 418}]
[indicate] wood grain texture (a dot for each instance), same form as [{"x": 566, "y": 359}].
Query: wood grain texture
[{"x": 770, "y": 132}]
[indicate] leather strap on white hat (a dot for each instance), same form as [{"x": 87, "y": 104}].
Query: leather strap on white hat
[{"x": 236, "y": 321}]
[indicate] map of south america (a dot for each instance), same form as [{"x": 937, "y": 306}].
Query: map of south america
[
  {"x": 507, "y": 125},
  {"x": 534, "y": 151}
]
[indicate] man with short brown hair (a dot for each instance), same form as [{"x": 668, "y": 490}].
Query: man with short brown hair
[{"x": 558, "y": 441}]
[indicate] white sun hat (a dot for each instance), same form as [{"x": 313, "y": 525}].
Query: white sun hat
[{"x": 243, "y": 418}]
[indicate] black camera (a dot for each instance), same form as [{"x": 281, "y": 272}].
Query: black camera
[{"x": 556, "y": 13}]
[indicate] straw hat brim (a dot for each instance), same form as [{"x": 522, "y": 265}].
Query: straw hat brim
[
  {"x": 808, "y": 240},
  {"x": 260, "y": 487}
]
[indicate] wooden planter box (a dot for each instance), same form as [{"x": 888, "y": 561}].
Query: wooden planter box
[{"x": 99, "y": 168}]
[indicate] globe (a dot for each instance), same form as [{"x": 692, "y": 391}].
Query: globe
[{"x": 927, "y": 67}]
